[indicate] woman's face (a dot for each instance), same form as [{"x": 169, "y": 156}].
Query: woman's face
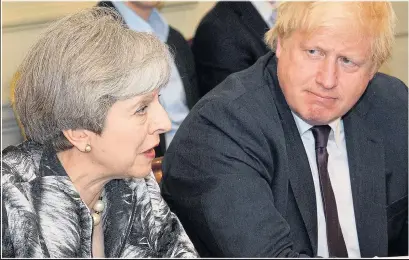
[{"x": 125, "y": 147}]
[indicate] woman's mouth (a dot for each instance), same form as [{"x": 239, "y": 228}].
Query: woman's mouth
[{"x": 150, "y": 153}]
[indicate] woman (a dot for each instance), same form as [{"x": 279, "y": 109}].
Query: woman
[{"x": 81, "y": 185}]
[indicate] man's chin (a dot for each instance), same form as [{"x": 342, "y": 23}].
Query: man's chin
[
  {"x": 318, "y": 118},
  {"x": 320, "y": 115}
]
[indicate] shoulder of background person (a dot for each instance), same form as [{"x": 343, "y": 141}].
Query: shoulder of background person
[
  {"x": 175, "y": 37},
  {"x": 179, "y": 46},
  {"x": 222, "y": 12},
  {"x": 227, "y": 21}
]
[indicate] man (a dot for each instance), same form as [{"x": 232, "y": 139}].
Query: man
[
  {"x": 304, "y": 153},
  {"x": 179, "y": 96},
  {"x": 230, "y": 38}
]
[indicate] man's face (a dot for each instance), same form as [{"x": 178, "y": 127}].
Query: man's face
[{"x": 323, "y": 74}]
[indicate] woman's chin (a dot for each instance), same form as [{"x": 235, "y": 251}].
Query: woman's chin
[{"x": 142, "y": 172}]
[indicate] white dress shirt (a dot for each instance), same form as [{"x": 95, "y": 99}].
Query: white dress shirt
[
  {"x": 338, "y": 170},
  {"x": 173, "y": 96}
]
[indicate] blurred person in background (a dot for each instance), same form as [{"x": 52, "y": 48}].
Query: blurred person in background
[
  {"x": 182, "y": 92},
  {"x": 230, "y": 38},
  {"x": 81, "y": 185},
  {"x": 305, "y": 153}
]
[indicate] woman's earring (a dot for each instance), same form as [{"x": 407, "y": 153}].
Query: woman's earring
[{"x": 88, "y": 148}]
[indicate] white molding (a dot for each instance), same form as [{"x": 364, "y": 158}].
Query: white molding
[{"x": 10, "y": 132}]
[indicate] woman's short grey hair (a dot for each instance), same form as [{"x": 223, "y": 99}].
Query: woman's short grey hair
[{"x": 79, "y": 68}]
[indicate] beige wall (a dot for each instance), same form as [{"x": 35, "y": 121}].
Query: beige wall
[
  {"x": 23, "y": 22},
  {"x": 398, "y": 64}
]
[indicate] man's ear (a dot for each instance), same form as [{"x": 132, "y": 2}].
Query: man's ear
[
  {"x": 79, "y": 138},
  {"x": 278, "y": 47},
  {"x": 373, "y": 71}
]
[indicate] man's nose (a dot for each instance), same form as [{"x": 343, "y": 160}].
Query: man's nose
[{"x": 327, "y": 76}]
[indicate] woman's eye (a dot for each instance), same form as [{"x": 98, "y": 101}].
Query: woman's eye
[{"x": 142, "y": 110}]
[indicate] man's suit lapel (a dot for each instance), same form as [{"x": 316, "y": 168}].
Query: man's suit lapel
[
  {"x": 300, "y": 175},
  {"x": 251, "y": 19},
  {"x": 301, "y": 181},
  {"x": 367, "y": 172}
]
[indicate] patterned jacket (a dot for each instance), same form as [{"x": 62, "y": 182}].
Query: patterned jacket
[{"x": 43, "y": 215}]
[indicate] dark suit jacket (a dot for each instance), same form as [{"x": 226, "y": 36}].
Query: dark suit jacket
[
  {"x": 238, "y": 177},
  {"x": 229, "y": 38},
  {"x": 184, "y": 63}
]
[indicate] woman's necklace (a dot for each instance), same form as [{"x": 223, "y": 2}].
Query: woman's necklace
[{"x": 98, "y": 207}]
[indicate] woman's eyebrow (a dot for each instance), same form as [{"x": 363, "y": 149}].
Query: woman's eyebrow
[{"x": 146, "y": 99}]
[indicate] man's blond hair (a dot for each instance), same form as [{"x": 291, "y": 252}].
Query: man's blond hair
[{"x": 373, "y": 19}]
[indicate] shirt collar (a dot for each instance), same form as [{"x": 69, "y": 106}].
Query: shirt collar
[
  {"x": 335, "y": 125},
  {"x": 156, "y": 24},
  {"x": 50, "y": 165},
  {"x": 266, "y": 10}
]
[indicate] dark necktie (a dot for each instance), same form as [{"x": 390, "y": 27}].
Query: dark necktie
[{"x": 336, "y": 243}]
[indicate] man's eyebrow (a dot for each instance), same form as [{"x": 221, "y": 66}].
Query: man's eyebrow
[{"x": 344, "y": 53}]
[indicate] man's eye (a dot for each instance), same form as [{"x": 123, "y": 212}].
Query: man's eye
[
  {"x": 314, "y": 52},
  {"x": 141, "y": 111},
  {"x": 346, "y": 61}
]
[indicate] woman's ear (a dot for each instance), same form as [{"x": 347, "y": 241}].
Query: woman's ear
[{"x": 79, "y": 138}]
